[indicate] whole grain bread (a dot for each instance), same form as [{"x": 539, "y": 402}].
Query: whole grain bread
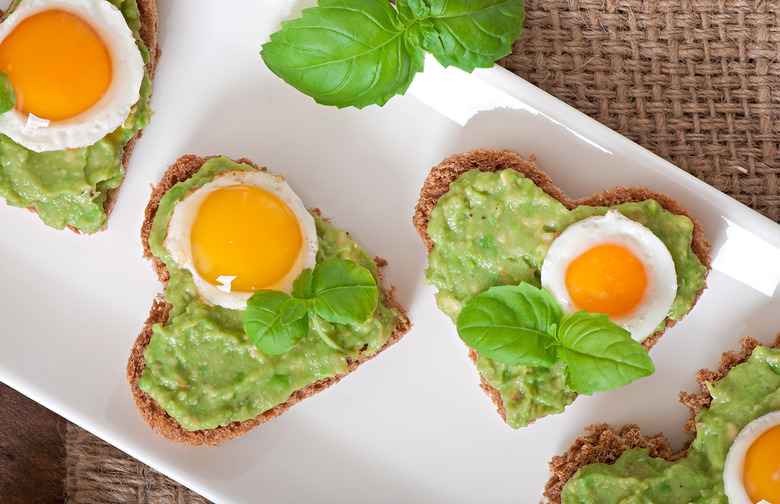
[
  {"x": 152, "y": 412},
  {"x": 604, "y": 444},
  {"x": 150, "y": 28},
  {"x": 438, "y": 181}
]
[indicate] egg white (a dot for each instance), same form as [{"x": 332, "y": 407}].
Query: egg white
[
  {"x": 735, "y": 459},
  {"x": 38, "y": 134},
  {"x": 178, "y": 238},
  {"x": 616, "y": 229}
]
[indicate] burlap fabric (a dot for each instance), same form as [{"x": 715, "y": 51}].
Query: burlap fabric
[
  {"x": 98, "y": 473},
  {"x": 696, "y": 82}
]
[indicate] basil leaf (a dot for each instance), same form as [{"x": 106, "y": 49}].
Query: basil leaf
[
  {"x": 599, "y": 355},
  {"x": 469, "y": 34},
  {"x": 327, "y": 333},
  {"x": 512, "y": 324},
  {"x": 264, "y": 326},
  {"x": 343, "y": 291},
  {"x": 7, "y": 94},
  {"x": 345, "y": 52},
  {"x": 293, "y": 309},
  {"x": 301, "y": 287}
]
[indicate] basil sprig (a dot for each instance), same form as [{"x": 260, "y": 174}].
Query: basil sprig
[
  {"x": 363, "y": 52},
  {"x": 523, "y": 325},
  {"x": 7, "y": 94},
  {"x": 336, "y": 291}
]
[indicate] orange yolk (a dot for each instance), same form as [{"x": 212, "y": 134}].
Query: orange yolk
[
  {"x": 761, "y": 474},
  {"x": 606, "y": 279},
  {"x": 246, "y": 232},
  {"x": 57, "y": 64}
]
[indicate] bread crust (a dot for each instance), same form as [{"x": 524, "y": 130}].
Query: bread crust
[
  {"x": 151, "y": 412},
  {"x": 438, "y": 181},
  {"x": 150, "y": 28},
  {"x": 604, "y": 444}
]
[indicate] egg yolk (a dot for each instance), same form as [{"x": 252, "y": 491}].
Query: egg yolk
[
  {"x": 606, "y": 279},
  {"x": 761, "y": 473},
  {"x": 245, "y": 232},
  {"x": 57, "y": 64}
]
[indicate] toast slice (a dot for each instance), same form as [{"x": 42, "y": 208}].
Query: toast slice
[
  {"x": 150, "y": 27},
  {"x": 604, "y": 444},
  {"x": 150, "y": 410},
  {"x": 438, "y": 181}
]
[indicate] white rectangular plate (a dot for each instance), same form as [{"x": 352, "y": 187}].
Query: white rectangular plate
[{"x": 412, "y": 425}]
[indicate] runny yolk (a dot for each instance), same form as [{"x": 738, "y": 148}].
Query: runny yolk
[
  {"x": 607, "y": 279},
  {"x": 761, "y": 474},
  {"x": 57, "y": 64},
  {"x": 246, "y": 232}
]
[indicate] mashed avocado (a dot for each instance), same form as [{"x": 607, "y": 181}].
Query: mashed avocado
[
  {"x": 750, "y": 390},
  {"x": 202, "y": 368},
  {"x": 494, "y": 229},
  {"x": 69, "y": 187}
]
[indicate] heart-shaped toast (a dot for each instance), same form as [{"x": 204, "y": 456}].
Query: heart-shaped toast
[
  {"x": 215, "y": 360},
  {"x": 491, "y": 219},
  {"x": 607, "y": 465}
]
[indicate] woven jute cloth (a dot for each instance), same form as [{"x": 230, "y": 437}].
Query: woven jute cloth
[
  {"x": 100, "y": 473},
  {"x": 696, "y": 82}
]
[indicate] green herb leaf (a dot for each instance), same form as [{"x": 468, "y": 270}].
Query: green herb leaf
[
  {"x": 7, "y": 94},
  {"x": 302, "y": 285},
  {"x": 363, "y": 52},
  {"x": 263, "y": 323},
  {"x": 512, "y": 324},
  {"x": 471, "y": 34},
  {"x": 343, "y": 291},
  {"x": 327, "y": 333},
  {"x": 600, "y": 355},
  {"x": 523, "y": 325},
  {"x": 337, "y": 291},
  {"x": 345, "y": 52},
  {"x": 293, "y": 309}
]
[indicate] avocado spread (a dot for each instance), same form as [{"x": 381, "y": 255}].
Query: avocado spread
[
  {"x": 494, "y": 228},
  {"x": 200, "y": 365},
  {"x": 69, "y": 187},
  {"x": 750, "y": 390}
]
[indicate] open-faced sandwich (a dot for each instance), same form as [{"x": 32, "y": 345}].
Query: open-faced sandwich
[
  {"x": 733, "y": 459},
  {"x": 265, "y": 302},
  {"x": 75, "y": 82},
  {"x": 555, "y": 297}
]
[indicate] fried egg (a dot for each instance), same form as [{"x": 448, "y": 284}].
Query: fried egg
[
  {"x": 752, "y": 470},
  {"x": 610, "y": 264},
  {"x": 76, "y": 71},
  {"x": 240, "y": 232}
]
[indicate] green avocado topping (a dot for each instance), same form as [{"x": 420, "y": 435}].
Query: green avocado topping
[
  {"x": 69, "y": 187},
  {"x": 201, "y": 366},
  {"x": 494, "y": 228},
  {"x": 749, "y": 391}
]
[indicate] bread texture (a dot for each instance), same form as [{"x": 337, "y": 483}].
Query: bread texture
[
  {"x": 150, "y": 410},
  {"x": 438, "y": 181},
  {"x": 604, "y": 444},
  {"x": 150, "y": 28}
]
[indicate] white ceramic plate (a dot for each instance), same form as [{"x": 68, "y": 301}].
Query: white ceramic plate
[{"x": 412, "y": 425}]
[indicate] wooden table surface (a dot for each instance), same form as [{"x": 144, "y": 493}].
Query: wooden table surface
[{"x": 32, "y": 451}]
